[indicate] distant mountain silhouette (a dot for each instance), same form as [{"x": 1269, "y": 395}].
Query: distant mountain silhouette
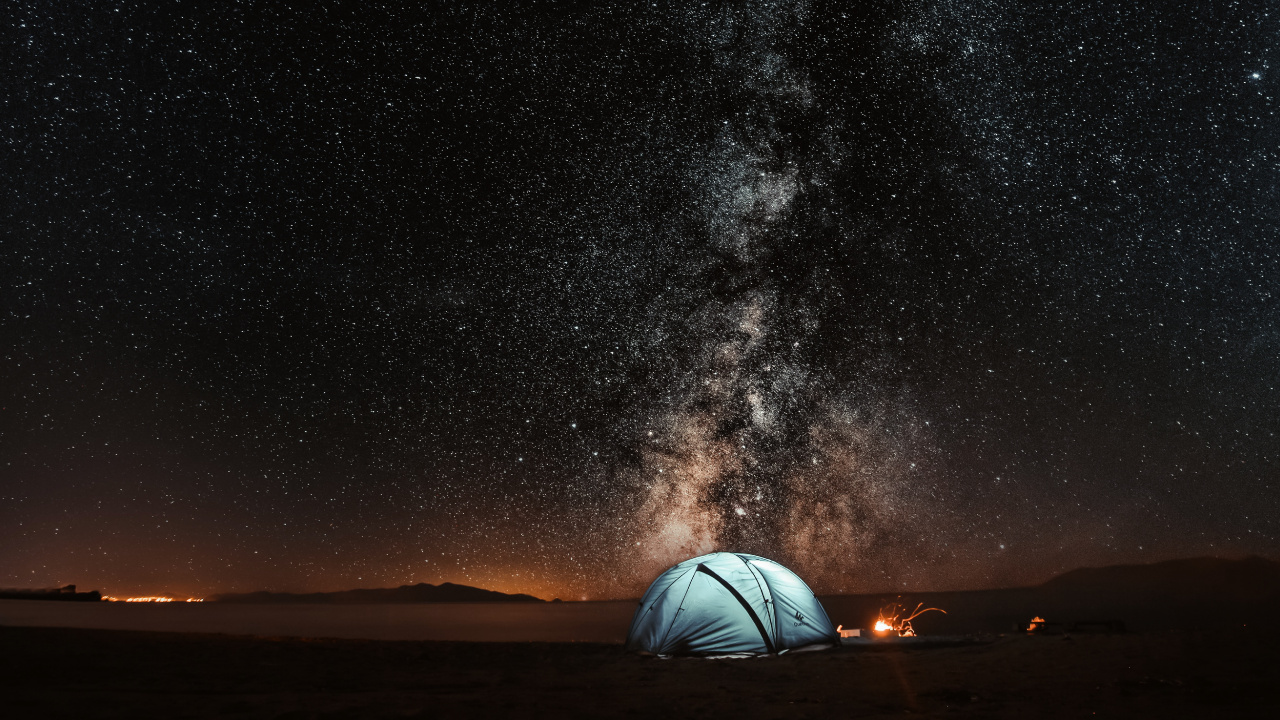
[
  {"x": 420, "y": 593},
  {"x": 1191, "y": 594},
  {"x": 1252, "y": 578},
  {"x": 65, "y": 593}
]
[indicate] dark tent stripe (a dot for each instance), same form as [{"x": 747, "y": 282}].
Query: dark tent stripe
[{"x": 768, "y": 644}]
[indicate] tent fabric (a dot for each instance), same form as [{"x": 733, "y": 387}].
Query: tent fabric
[{"x": 728, "y": 603}]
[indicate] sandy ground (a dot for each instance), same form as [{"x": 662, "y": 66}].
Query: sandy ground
[{"x": 62, "y": 672}]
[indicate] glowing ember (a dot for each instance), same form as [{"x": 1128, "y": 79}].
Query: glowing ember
[
  {"x": 891, "y": 620},
  {"x": 1037, "y": 623}
]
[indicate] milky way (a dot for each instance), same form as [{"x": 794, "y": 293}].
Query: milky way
[
  {"x": 754, "y": 448},
  {"x": 545, "y": 297}
]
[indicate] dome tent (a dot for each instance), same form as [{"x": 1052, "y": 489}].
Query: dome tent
[{"x": 728, "y": 603}]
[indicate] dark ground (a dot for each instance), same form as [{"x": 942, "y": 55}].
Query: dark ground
[{"x": 55, "y": 672}]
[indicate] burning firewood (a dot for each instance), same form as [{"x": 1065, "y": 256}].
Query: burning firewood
[{"x": 891, "y": 620}]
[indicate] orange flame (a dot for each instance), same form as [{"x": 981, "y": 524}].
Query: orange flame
[{"x": 891, "y": 620}]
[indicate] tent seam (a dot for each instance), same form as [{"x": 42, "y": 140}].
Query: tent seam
[
  {"x": 766, "y": 578},
  {"x": 662, "y": 645},
  {"x": 768, "y": 602},
  {"x": 668, "y": 587}
]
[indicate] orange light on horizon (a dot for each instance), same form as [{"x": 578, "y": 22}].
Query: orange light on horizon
[{"x": 150, "y": 599}]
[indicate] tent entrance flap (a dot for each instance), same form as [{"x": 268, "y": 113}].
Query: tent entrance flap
[{"x": 768, "y": 642}]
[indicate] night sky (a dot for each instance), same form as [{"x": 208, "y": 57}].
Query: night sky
[{"x": 547, "y": 296}]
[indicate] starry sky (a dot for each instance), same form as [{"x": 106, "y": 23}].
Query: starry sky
[{"x": 547, "y": 296}]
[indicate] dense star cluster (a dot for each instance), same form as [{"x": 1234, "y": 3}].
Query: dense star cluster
[{"x": 548, "y": 296}]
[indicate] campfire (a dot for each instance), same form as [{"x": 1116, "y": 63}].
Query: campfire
[{"x": 893, "y": 623}]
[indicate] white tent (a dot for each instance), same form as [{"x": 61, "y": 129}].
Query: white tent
[{"x": 728, "y": 603}]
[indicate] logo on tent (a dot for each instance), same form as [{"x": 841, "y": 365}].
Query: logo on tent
[{"x": 799, "y": 616}]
